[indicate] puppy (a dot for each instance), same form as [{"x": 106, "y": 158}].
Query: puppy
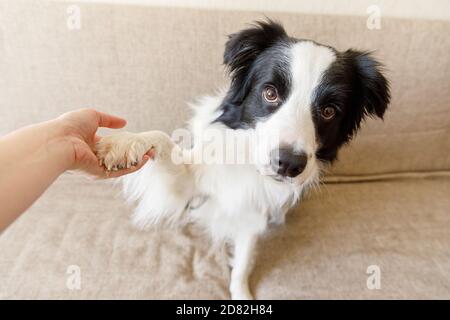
[{"x": 291, "y": 102}]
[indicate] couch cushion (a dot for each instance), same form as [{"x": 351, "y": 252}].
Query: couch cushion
[
  {"x": 144, "y": 63},
  {"x": 323, "y": 251}
]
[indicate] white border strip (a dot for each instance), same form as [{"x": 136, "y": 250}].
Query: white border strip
[{"x": 421, "y": 9}]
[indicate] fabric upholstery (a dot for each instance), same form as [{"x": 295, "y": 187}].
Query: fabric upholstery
[{"x": 323, "y": 251}]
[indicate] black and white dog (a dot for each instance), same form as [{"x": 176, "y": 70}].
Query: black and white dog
[{"x": 309, "y": 96}]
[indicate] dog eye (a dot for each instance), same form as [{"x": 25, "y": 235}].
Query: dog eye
[
  {"x": 270, "y": 94},
  {"x": 328, "y": 112}
]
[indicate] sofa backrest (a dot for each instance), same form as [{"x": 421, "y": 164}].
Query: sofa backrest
[{"x": 145, "y": 63}]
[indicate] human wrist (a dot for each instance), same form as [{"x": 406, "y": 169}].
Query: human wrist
[{"x": 58, "y": 144}]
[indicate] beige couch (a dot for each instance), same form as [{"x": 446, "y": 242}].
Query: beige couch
[{"x": 386, "y": 202}]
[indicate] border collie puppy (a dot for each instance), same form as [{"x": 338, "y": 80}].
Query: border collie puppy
[{"x": 309, "y": 96}]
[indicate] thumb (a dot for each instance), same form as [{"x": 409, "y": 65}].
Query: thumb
[{"x": 110, "y": 121}]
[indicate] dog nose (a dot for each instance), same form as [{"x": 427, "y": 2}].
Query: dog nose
[{"x": 289, "y": 163}]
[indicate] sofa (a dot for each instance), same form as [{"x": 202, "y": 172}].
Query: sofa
[{"x": 383, "y": 209}]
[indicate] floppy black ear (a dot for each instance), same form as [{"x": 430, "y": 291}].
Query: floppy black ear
[
  {"x": 243, "y": 47},
  {"x": 369, "y": 94},
  {"x": 372, "y": 88}
]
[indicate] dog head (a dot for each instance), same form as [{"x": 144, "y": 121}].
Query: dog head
[{"x": 310, "y": 95}]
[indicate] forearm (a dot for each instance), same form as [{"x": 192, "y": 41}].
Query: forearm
[{"x": 30, "y": 160}]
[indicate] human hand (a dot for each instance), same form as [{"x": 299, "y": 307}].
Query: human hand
[{"x": 79, "y": 129}]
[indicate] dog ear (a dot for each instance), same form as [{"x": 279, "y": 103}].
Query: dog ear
[
  {"x": 372, "y": 88},
  {"x": 370, "y": 94},
  {"x": 243, "y": 47}
]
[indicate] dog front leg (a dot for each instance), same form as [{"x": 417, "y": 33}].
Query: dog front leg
[
  {"x": 125, "y": 149},
  {"x": 244, "y": 250}
]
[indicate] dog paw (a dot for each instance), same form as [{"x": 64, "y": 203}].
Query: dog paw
[{"x": 121, "y": 150}]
